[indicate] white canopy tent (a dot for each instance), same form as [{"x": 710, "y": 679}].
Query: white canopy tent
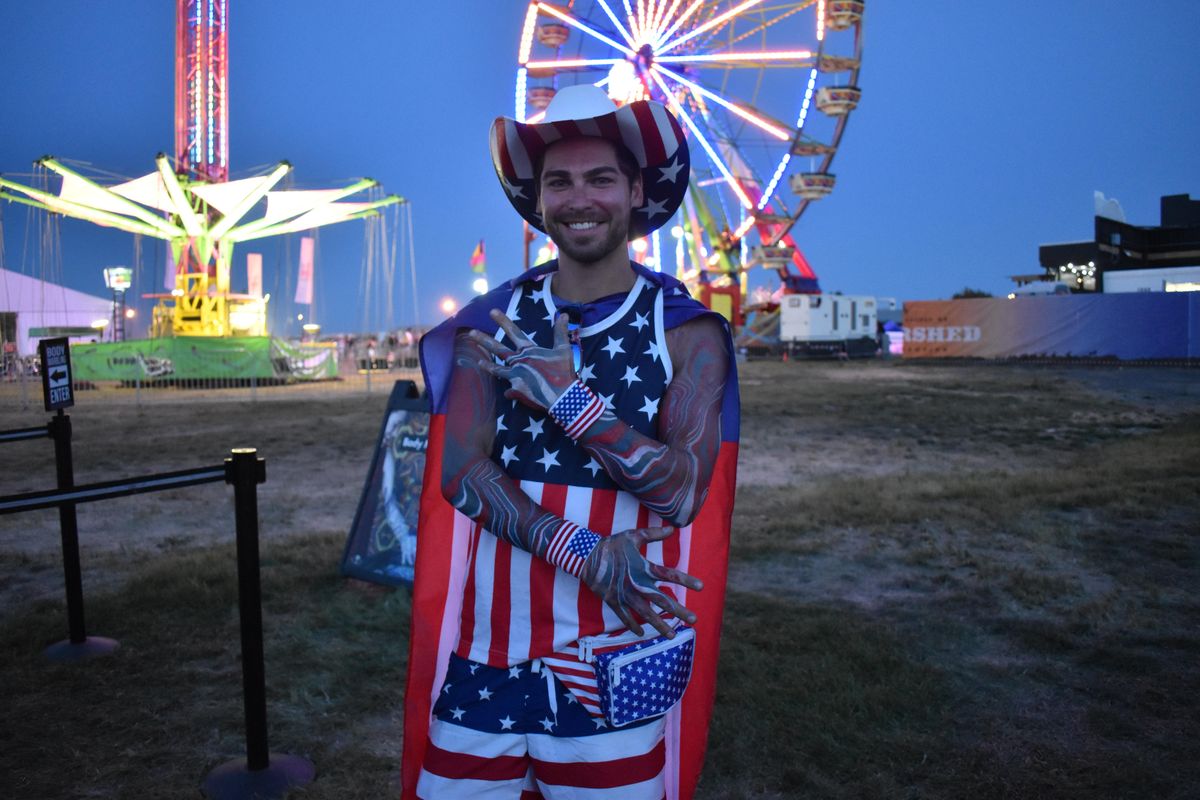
[{"x": 41, "y": 304}]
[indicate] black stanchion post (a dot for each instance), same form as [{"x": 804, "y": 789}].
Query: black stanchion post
[
  {"x": 79, "y": 645},
  {"x": 261, "y": 775}
]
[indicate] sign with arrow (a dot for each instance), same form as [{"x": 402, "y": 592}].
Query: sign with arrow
[{"x": 55, "y": 358}]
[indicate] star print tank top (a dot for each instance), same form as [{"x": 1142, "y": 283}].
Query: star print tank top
[{"x": 517, "y": 607}]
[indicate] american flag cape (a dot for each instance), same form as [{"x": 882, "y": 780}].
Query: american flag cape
[{"x": 441, "y": 561}]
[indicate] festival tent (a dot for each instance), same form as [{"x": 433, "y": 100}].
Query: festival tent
[{"x": 30, "y": 306}]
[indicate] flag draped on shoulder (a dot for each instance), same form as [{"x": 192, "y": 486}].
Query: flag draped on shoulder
[{"x": 442, "y": 548}]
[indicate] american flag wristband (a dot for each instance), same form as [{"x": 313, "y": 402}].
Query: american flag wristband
[
  {"x": 576, "y": 409},
  {"x": 570, "y": 546}
]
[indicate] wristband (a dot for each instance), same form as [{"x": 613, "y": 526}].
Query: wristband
[
  {"x": 576, "y": 409},
  {"x": 570, "y": 546}
]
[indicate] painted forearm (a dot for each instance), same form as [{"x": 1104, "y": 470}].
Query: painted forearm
[{"x": 486, "y": 494}]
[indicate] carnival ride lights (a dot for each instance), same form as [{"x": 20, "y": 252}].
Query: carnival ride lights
[
  {"x": 205, "y": 212},
  {"x": 735, "y": 74}
]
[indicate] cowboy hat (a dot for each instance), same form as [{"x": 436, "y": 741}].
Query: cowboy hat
[{"x": 645, "y": 128}]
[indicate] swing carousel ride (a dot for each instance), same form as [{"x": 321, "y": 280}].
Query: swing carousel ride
[
  {"x": 744, "y": 79},
  {"x": 190, "y": 202}
]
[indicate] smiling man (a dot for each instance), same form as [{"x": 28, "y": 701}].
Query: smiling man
[{"x": 580, "y": 500}]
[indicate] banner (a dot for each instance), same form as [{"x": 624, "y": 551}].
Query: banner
[
  {"x": 1127, "y": 326},
  {"x": 254, "y": 274},
  {"x": 169, "y": 268},
  {"x": 478, "y": 259},
  {"x": 382, "y": 544},
  {"x": 304, "y": 281},
  {"x": 192, "y": 357}
]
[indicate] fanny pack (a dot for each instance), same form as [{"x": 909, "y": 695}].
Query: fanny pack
[{"x": 639, "y": 677}]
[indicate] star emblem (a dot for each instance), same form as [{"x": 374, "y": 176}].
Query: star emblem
[
  {"x": 457, "y": 713},
  {"x": 542, "y": 292},
  {"x": 473, "y": 668},
  {"x": 600, "y": 723},
  {"x": 548, "y": 724},
  {"x": 653, "y": 208},
  {"x": 514, "y": 672},
  {"x": 639, "y": 321},
  {"x": 485, "y": 694},
  {"x": 509, "y": 454},
  {"x": 630, "y": 377},
  {"x": 549, "y": 459},
  {"x": 507, "y": 723},
  {"x": 613, "y": 347},
  {"x": 586, "y": 374},
  {"x": 608, "y": 400},
  {"x": 592, "y": 466},
  {"x": 534, "y": 428},
  {"x": 446, "y": 689},
  {"x": 500, "y": 426},
  {"x": 671, "y": 171},
  {"x": 654, "y": 351},
  {"x": 571, "y": 698},
  {"x": 513, "y": 190}
]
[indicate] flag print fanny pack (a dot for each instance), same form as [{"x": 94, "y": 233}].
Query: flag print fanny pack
[{"x": 641, "y": 679}]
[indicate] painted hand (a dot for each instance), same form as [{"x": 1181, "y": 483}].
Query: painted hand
[
  {"x": 536, "y": 376},
  {"x": 621, "y": 576}
]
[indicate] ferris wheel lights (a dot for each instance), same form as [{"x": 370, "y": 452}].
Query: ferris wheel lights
[
  {"x": 567, "y": 18},
  {"x": 780, "y": 55},
  {"x": 527, "y": 33},
  {"x": 677, "y": 231},
  {"x": 572, "y": 63},
  {"x": 638, "y": 245},
  {"x": 624, "y": 85},
  {"x": 712, "y": 23},
  {"x": 774, "y": 130},
  {"x": 616, "y": 22},
  {"x": 675, "y": 25}
]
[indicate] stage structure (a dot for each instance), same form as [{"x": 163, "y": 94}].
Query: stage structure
[
  {"x": 764, "y": 91},
  {"x": 191, "y": 203}
]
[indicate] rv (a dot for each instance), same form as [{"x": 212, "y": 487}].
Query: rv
[{"x": 829, "y": 325}]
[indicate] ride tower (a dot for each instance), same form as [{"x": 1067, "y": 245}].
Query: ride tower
[{"x": 200, "y": 302}]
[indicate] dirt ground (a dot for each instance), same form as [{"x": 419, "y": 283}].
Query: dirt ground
[{"x": 1032, "y": 530}]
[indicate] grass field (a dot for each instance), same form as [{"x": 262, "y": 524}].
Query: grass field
[{"x": 947, "y": 581}]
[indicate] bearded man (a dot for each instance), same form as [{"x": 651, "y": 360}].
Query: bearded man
[{"x": 578, "y": 489}]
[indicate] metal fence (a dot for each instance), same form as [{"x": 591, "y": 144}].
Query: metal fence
[{"x": 21, "y": 391}]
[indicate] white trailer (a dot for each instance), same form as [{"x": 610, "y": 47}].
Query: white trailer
[{"x": 828, "y": 324}]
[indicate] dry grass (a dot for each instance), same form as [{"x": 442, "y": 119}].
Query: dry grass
[{"x": 947, "y": 581}]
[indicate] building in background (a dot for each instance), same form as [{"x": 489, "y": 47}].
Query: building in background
[{"x": 1131, "y": 258}]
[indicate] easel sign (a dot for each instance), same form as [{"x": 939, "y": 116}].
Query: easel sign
[
  {"x": 54, "y": 356},
  {"x": 382, "y": 545}
]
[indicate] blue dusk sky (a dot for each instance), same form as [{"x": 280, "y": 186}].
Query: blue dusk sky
[{"x": 983, "y": 130}]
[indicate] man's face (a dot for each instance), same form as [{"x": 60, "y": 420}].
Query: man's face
[{"x": 584, "y": 198}]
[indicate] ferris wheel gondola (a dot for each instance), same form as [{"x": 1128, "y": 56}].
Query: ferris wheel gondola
[{"x": 763, "y": 89}]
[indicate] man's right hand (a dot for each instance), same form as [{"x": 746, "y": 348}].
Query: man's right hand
[{"x": 621, "y": 576}]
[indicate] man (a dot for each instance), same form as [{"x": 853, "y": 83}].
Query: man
[{"x": 588, "y": 409}]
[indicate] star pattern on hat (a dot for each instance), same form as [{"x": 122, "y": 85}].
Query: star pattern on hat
[
  {"x": 654, "y": 208},
  {"x": 513, "y": 190},
  {"x": 670, "y": 172}
]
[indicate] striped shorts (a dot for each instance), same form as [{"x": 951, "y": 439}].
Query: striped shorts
[{"x": 517, "y": 732}]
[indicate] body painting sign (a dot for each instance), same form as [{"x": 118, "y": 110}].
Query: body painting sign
[{"x": 382, "y": 545}]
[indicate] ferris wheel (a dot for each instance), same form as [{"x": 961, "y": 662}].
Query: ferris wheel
[{"x": 763, "y": 89}]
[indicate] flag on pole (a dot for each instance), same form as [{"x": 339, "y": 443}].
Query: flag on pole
[
  {"x": 304, "y": 282},
  {"x": 478, "y": 259}
]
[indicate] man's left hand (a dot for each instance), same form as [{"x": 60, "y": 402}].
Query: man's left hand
[{"x": 537, "y": 376}]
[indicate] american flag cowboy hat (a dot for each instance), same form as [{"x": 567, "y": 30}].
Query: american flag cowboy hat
[{"x": 644, "y": 127}]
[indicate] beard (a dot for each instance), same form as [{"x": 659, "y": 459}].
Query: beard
[{"x": 593, "y": 249}]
